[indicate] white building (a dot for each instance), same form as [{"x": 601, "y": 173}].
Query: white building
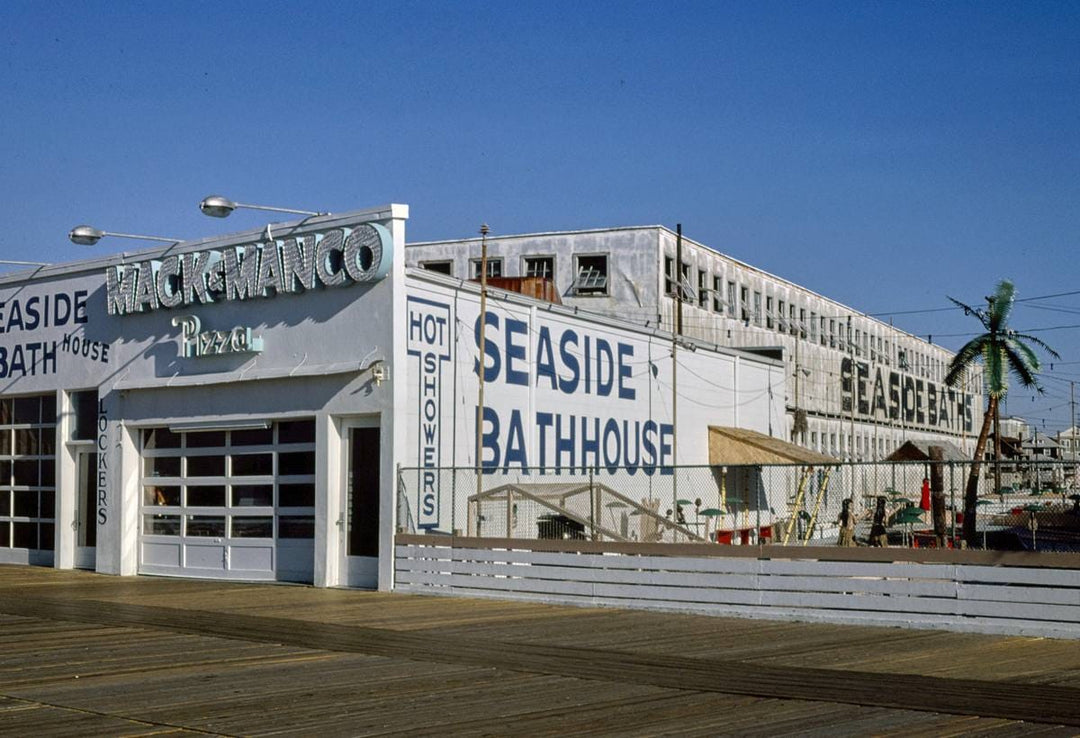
[
  {"x": 857, "y": 387},
  {"x": 240, "y": 407}
]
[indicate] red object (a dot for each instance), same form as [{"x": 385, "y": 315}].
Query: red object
[
  {"x": 925, "y": 502},
  {"x": 723, "y": 536}
]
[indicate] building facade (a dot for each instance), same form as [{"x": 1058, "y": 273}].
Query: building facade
[
  {"x": 857, "y": 387},
  {"x": 241, "y": 407}
]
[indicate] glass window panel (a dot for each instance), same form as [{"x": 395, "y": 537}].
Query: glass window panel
[
  {"x": 48, "y": 408},
  {"x": 47, "y": 536},
  {"x": 206, "y": 439},
  {"x": 296, "y": 526},
  {"x": 5, "y": 472},
  {"x": 253, "y": 437},
  {"x": 47, "y": 509},
  {"x": 5, "y": 534},
  {"x": 161, "y": 525},
  {"x": 213, "y": 496},
  {"x": 26, "y": 472},
  {"x": 296, "y": 431},
  {"x": 249, "y": 465},
  {"x": 27, "y": 410},
  {"x": 85, "y": 406},
  {"x": 160, "y": 438},
  {"x": 299, "y": 462},
  {"x": 163, "y": 466},
  {"x": 27, "y": 441},
  {"x": 296, "y": 495},
  {"x": 5, "y": 411},
  {"x": 161, "y": 495},
  {"x": 253, "y": 527},
  {"x": 206, "y": 466},
  {"x": 206, "y": 526},
  {"x": 253, "y": 495},
  {"x": 5, "y": 442},
  {"x": 25, "y": 535},
  {"x": 48, "y": 473},
  {"x": 26, "y": 504},
  {"x": 47, "y": 440},
  {"x": 5, "y": 502}
]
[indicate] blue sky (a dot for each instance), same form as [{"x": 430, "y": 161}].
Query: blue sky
[{"x": 886, "y": 154}]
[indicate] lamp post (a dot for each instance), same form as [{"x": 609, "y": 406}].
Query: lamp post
[
  {"x": 218, "y": 206},
  {"x": 84, "y": 235}
]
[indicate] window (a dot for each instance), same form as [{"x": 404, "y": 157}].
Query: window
[
  {"x": 731, "y": 310},
  {"x": 768, "y": 312},
  {"x": 669, "y": 276},
  {"x": 813, "y": 327},
  {"x": 824, "y": 331},
  {"x": 592, "y": 275},
  {"x": 902, "y": 360},
  {"x": 802, "y": 323},
  {"x": 540, "y": 266},
  {"x": 832, "y": 333},
  {"x": 494, "y": 268},
  {"x": 442, "y": 267},
  {"x": 782, "y": 316},
  {"x": 717, "y": 294},
  {"x": 744, "y": 304},
  {"x": 28, "y": 472},
  {"x": 703, "y": 289},
  {"x": 792, "y": 326},
  {"x": 757, "y": 308}
]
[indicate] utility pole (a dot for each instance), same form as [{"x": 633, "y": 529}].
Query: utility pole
[
  {"x": 675, "y": 333},
  {"x": 481, "y": 363}
]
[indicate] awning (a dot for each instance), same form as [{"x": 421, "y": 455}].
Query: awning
[
  {"x": 738, "y": 447},
  {"x": 920, "y": 451}
]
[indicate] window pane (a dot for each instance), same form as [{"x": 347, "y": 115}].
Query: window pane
[
  {"x": 213, "y": 496},
  {"x": 206, "y": 526},
  {"x": 26, "y": 504},
  {"x": 5, "y": 502},
  {"x": 5, "y": 472},
  {"x": 161, "y": 525},
  {"x": 261, "y": 527},
  {"x": 158, "y": 495},
  {"x": 48, "y": 473},
  {"x": 254, "y": 437},
  {"x": 160, "y": 438},
  {"x": 252, "y": 495},
  {"x": 85, "y": 406},
  {"x": 300, "y": 462},
  {"x": 206, "y": 466},
  {"x": 5, "y": 442},
  {"x": 296, "y": 526},
  {"x": 5, "y": 534},
  {"x": 296, "y": 495},
  {"x": 5, "y": 411},
  {"x": 296, "y": 431},
  {"x": 163, "y": 466},
  {"x": 25, "y": 535},
  {"x": 47, "y": 535},
  {"x": 27, "y": 410},
  {"x": 206, "y": 439},
  {"x": 249, "y": 465},
  {"x": 27, "y": 441},
  {"x": 47, "y": 439},
  {"x": 26, "y": 473},
  {"x": 47, "y": 505},
  {"x": 48, "y": 408}
]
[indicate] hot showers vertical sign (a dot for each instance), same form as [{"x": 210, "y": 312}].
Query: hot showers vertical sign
[{"x": 429, "y": 339}]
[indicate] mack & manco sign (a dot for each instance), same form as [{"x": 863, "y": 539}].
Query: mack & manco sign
[{"x": 332, "y": 258}]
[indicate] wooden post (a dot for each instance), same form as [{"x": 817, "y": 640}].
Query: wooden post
[{"x": 937, "y": 492}]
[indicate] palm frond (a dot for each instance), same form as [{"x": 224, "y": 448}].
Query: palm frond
[
  {"x": 1022, "y": 362},
  {"x": 1037, "y": 341},
  {"x": 995, "y": 377},
  {"x": 968, "y": 310},
  {"x": 1001, "y": 305},
  {"x": 965, "y": 358}
]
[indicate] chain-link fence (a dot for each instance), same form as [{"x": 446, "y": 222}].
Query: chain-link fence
[{"x": 913, "y": 504}]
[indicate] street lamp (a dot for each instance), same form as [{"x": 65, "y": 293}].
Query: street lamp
[
  {"x": 217, "y": 206},
  {"x": 84, "y": 235}
]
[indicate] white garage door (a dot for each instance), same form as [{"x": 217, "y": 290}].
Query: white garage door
[{"x": 229, "y": 504}]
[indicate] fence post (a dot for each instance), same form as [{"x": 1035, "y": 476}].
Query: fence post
[
  {"x": 592, "y": 507},
  {"x": 952, "y": 499}
]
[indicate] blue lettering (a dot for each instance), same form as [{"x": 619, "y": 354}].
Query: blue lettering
[
  {"x": 631, "y": 466},
  {"x": 611, "y": 460},
  {"x": 564, "y": 444},
  {"x": 490, "y": 441},
  {"x": 515, "y": 351},
  {"x": 545, "y": 359},
  {"x": 625, "y": 350},
  {"x": 667, "y": 432},
  {"x": 543, "y": 422},
  {"x": 647, "y": 435},
  {"x": 603, "y": 386},
  {"x": 590, "y": 445},
  {"x": 515, "y": 443},
  {"x": 569, "y": 386},
  {"x": 491, "y": 349}
]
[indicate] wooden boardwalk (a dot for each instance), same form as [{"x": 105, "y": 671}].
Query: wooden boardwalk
[{"x": 82, "y": 654}]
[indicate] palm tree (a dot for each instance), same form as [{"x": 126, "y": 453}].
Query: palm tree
[{"x": 1002, "y": 351}]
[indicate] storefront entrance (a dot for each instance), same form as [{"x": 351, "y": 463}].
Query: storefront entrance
[
  {"x": 234, "y": 503},
  {"x": 362, "y": 506},
  {"x": 28, "y": 479},
  {"x": 86, "y": 463}
]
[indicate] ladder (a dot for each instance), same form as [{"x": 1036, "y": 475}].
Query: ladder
[
  {"x": 794, "y": 505},
  {"x": 817, "y": 505}
]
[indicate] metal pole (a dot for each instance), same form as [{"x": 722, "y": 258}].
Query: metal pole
[{"x": 484, "y": 230}]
